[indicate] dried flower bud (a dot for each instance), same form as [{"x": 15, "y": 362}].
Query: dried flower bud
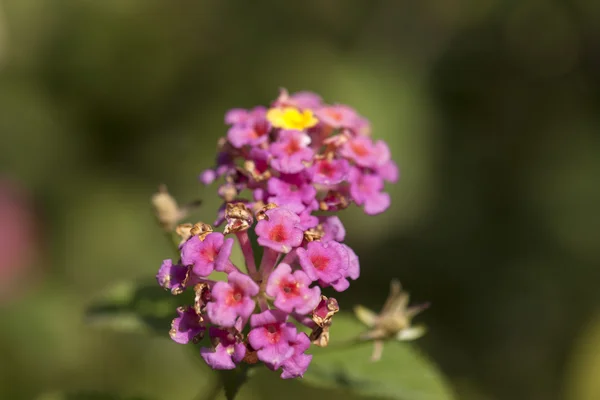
[
  {"x": 333, "y": 201},
  {"x": 322, "y": 316},
  {"x": 166, "y": 209},
  {"x": 239, "y": 218},
  {"x": 201, "y": 230},
  {"x": 262, "y": 213},
  {"x": 320, "y": 336},
  {"x": 203, "y": 296},
  {"x": 315, "y": 233},
  {"x": 184, "y": 231}
]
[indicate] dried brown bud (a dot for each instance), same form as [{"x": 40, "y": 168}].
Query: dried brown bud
[
  {"x": 325, "y": 311},
  {"x": 167, "y": 211},
  {"x": 239, "y": 218},
  {"x": 203, "y": 296},
  {"x": 315, "y": 233},
  {"x": 262, "y": 213},
  {"x": 320, "y": 336},
  {"x": 184, "y": 231},
  {"x": 165, "y": 208},
  {"x": 334, "y": 201},
  {"x": 201, "y": 230},
  {"x": 322, "y": 316},
  {"x": 250, "y": 170}
]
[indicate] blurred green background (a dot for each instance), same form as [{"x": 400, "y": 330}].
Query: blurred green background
[{"x": 491, "y": 108}]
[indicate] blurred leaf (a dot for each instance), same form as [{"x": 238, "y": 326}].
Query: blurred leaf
[
  {"x": 136, "y": 307},
  {"x": 88, "y": 395},
  {"x": 402, "y": 373}
]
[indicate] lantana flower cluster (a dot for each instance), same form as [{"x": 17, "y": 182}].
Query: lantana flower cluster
[{"x": 296, "y": 160}]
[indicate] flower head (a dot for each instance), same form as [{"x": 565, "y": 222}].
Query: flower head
[{"x": 299, "y": 157}]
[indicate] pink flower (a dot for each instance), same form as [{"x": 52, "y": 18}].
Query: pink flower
[
  {"x": 330, "y": 172},
  {"x": 253, "y": 131},
  {"x": 232, "y": 299},
  {"x": 290, "y": 151},
  {"x": 297, "y": 364},
  {"x": 366, "y": 190},
  {"x": 227, "y": 352},
  {"x": 272, "y": 337},
  {"x": 329, "y": 263},
  {"x": 291, "y": 290},
  {"x": 337, "y": 116},
  {"x": 187, "y": 327},
  {"x": 172, "y": 277},
  {"x": 299, "y": 100},
  {"x": 323, "y": 261},
  {"x": 241, "y": 116},
  {"x": 280, "y": 230},
  {"x": 291, "y": 191},
  {"x": 201, "y": 254},
  {"x": 333, "y": 228},
  {"x": 360, "y": 150}
]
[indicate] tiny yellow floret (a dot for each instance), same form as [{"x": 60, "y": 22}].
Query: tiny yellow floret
[{"x": 291, "y": 118}]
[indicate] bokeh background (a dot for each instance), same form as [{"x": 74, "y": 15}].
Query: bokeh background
[{"x": 491, "y": 108}]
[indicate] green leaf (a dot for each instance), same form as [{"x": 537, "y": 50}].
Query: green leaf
[
  {"x": 402, "y": 373},
  {"x": 87, "y": 395},
  {"x": 136, "y": 307}
]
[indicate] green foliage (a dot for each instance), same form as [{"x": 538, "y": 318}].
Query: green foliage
[
  {"x": 402, "y": 373},
  {"x": 142, "y": 308}
]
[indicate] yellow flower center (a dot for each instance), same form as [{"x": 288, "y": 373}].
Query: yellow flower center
[{"x": 291, "y": 118}]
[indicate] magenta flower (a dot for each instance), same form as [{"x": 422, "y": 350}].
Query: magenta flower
[
  {"x": 290, "y": 151},
  {"x": 201, "y": 254},
  {"x": 337, "y": 116},
  {"x": 232, "y": 299},
  {"x": 280, "y": 230},
  {"x": 323, "y": 261},
  {"x": 333, "y": 229},
  {"x": 297, "y": 364},
  {"x": 360, "y": 150},
  {"x": 272, "y": 336},
  {"x": 172, "y": 277},
  {"x": 366, "y": 190},
  {"x": 227, "y": 352},
  {"x": 187, "y": 327},
  {"x": 301, "y": 100},
  {"x": 253, "y": 131},
  {"x": 241, "y": 116},
  {"x": 291, "y": 290},
  {"x": 291, "y": 191},
  {"x": 330, "y": 172}
]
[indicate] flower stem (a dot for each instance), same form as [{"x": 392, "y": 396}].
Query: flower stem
[
  {"x": 289, "y": 257},
  {"x": 268, "y": 262},
  {"x": 248, "y": 253}
]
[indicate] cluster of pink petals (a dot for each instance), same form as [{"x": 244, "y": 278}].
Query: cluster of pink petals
[
  {"x": 326, "y": 164},
  {"x": 274, "y": 308}
]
